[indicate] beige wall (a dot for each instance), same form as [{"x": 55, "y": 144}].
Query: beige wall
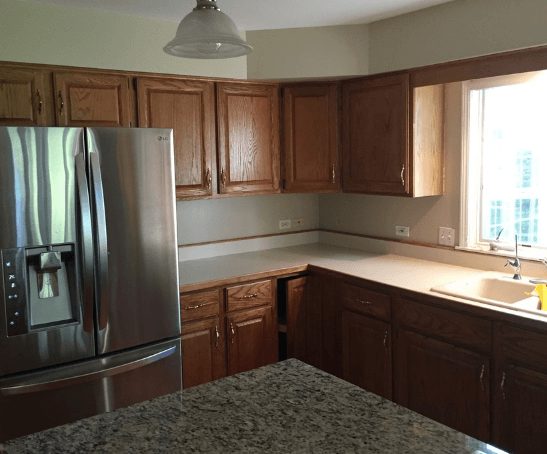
[
  {"x": 33, "y": 32},
  {"x": 455, "y": 30},
  {"x": 308, "y": 52}
]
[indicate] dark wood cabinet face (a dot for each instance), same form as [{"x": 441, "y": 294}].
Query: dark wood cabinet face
[
  {"x": 375, "y": 135},
  {"x": 445, "y": 383},
  {"x": 366, "y": 353},
  {"x": 252, "y": 339},
  {"x": 25, "y": 97},
  {"x": 92, "y": 99},
  {"x": 310, "y": 120},
  {"x": 203, "y": 347},
  {"x": 297, "y": 305},
  {"x": 189, "y": 108},
  {"x": 248, "y": 138}
]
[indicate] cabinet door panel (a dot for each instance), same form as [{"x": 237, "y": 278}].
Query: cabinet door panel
[
  {"x": 311, "y": 138},
  {"x": 92, "y": 99},
  {"x": 248, "y": 138},
  {"x": 203, "y": 358},
  {"x": 251, "y": 340},
  {"x": 366, "y": 353},
  {"x": 331, "y": 313},
  {"x": 375, "y": 135},
  {"x": 297, "y": 296},
  {"x": 25, "y": 97},
  {"x": 521, "y": 402},
  {"x": 444, "y": 383},
  {"x": 187, "y": 107}
]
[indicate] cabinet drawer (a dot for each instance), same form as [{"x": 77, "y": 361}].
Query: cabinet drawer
[
  {"x": 199, "y": 305},
  {"x": 451, "y": 326},
  {"x": 248, "y": 295},
  {"x": 524, "y": 346},
  {"x": 367, "y": 302}
]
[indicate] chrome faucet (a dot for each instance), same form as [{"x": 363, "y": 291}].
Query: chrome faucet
[{"x": 515, "y": 264}]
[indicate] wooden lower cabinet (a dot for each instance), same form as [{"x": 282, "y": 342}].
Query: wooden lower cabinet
[
  {"x": 203, "y": 347},
  {"x": 252, "y": 339},
  {"x": 366, "y": 353},
  {"x": 519, "y": 410},
  {"x": 445, "y": 383}
]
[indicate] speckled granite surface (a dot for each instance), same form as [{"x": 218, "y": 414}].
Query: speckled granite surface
[{"x": 288, "y": 407}]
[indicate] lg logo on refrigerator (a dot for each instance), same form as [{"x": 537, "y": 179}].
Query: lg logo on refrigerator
[{"x": 160, "y": 138}]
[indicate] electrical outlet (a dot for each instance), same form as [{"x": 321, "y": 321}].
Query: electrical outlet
[
  {"x": 299, "y": 222},
  {"x": 446, "y": 236},
  {"x": 285, "y": 224},
  {"x": 401, "y": 230}
]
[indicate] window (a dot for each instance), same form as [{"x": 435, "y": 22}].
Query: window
[{"x": 504, "y": 162}]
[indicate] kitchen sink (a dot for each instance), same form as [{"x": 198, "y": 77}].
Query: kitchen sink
[{"x": 495, "y": 290}]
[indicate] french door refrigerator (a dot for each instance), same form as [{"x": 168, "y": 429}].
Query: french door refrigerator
[{"x": 89, "y": 319}]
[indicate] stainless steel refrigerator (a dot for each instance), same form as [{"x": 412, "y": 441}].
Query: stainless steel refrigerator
[{"x": 90, "y": 317}]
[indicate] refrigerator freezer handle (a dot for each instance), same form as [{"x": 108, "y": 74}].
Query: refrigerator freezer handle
[
  {"x": 87, "y": 243},
  {"x": 49, "y": 384},
  {"x": 102, "y": 244}
]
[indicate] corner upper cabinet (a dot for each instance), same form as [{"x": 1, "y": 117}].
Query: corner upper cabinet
[
  {"x": 92, "y": 99},
  {"x": 384, "y": 151},
  {"x": 26, "y": 98},
  {"x": 248, "y": 138},
  {"x": 310, "y": 131},
  {"x": 187, "y": 106}
]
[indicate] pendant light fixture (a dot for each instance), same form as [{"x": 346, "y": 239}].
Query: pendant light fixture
[{"x": 207, "y": 33}]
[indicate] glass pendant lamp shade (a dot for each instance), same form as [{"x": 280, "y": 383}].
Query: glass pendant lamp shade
[{"x": 207, "y": 33}]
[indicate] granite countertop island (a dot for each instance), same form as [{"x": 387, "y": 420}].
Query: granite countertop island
[{"x": 287, "y": 407}]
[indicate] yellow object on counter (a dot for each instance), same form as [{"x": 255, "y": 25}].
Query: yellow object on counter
[{"x": 541, "y": 291}]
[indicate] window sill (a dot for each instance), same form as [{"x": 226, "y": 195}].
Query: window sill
[{"x": 526, "y": 253}]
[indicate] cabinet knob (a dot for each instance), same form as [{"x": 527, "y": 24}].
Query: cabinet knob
[
  {"x": 217, "y": 335},
  {"x": 403, "y": 175},
  {"x": 208, "y": 178},
  {"x": 223, "y": 177},
  {"x": 333, "y": 174},
  {"x": 233, "y": 332}
]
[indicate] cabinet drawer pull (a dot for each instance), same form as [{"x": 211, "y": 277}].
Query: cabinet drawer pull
[
  {"x": 61, "y": 108},
  {"x": 40, "y": 103},
  {"x": 333, "y": 174},
  {"x": 481, "y": 378},
  {"x": 217, "y": 335},
  {"x": 208, "y": 178},
  {"x": 403, "y": 175},
  {"x": 385, "y": 342},
  {"x": 503, "y": 383},
  {"x": 254, "y": 295},
  {"x": 223, "y": 177},
  {"x": 362, "y": 301},
  {"x": 189, "y": 308},
  {"x": 233, "y": 333}
]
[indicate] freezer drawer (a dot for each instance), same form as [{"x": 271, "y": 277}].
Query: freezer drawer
[{"x": 33, "y": 402}]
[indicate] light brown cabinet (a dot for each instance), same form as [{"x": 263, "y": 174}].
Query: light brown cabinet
[
  {"x": 26, "y": 97},
  {"x": 92, "y": 99},
  {"x": 248, "y": 138},
  {"x": 392, "y": 137},
  {"x": 187, "y": 106},
  {"x": 310, "y": 132}
]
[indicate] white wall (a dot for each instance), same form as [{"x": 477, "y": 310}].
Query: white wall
[
  {"x": 308, "y": 52},
  {"x": 34, "y": 32}
]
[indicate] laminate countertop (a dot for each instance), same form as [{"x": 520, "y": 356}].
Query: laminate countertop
[{"x": 287, "y": 407}]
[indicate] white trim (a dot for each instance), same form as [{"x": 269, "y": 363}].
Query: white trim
[{"x": 464, "y": 169}]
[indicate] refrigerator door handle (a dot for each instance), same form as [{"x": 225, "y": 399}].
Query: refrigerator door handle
[
  {"x": 87, "y": 243},
  {"x": 48, "y": 383},
  {"x": 102, "y": 244}
]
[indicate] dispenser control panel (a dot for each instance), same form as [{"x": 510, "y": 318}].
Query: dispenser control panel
[{"x": 15, "y": 290}]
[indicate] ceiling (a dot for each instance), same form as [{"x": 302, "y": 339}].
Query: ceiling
[{"x": 264, "y": 14}]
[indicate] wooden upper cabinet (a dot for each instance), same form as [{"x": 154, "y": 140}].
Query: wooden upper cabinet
[
  {"x": 25, "y": 97},
  {"x": 189, "y": 108},
  {"x": 375, "y": 135},
  {"x": 248, "y": 138},
  {"x": 92, "y": 99},
  {"x": 310, "y": 120},
  {"x": 392, "y": 137}
]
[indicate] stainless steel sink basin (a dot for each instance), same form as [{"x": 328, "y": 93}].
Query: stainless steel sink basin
[{"x": 498, "y": 291}]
